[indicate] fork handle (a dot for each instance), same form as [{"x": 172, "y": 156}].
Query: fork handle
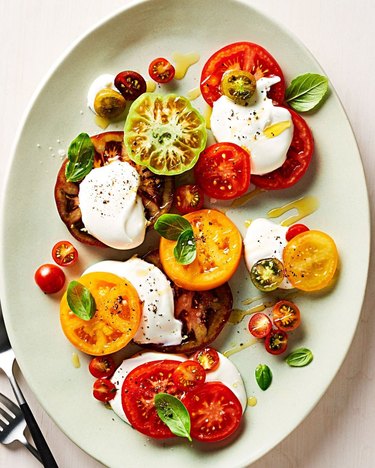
[{"x": 40, "y": 442}]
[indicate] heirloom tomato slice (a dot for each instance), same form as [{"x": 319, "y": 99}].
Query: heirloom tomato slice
[
  {"x": 116, "y": 319},
  {"x": 219, "y": 248},
  {"x": 245, "y": 56},
  {"x": 138, "y": 394},
  {"x": 310, "y": 260},
  {"x": 164, "y": 133}
]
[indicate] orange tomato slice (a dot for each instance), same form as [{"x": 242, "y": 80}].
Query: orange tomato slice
[
  {"x": 310, "y": 260},
  {"x": 219, "y": 248},
  {"x": 115, "y": 322}
]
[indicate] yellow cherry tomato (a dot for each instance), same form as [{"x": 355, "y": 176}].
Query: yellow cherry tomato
[{"x": 310, "y": 260}]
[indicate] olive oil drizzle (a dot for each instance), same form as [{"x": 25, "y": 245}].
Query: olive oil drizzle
[
  {"x": 183, "y": 62},
  {"x": 238, "y": 315},
  {"x": 241, "y": 201},
  {"x": 75, "y": 360},
  {"x": 194, "y": 94},
  {"x": 150, "y": 86},
  {"x": 240, "y": 347},
  {"x": 304, "y": 206},
  {"x": 252, "y": 401},
  {"x": 207, "y": 116},
  {"x": 102, "y": 122}
]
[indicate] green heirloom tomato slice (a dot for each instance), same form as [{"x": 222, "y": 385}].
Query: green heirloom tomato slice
[{"x": 164, "y": 133}]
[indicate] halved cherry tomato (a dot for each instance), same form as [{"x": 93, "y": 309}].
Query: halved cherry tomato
[
  {"x": 298, "y": 159},
  {"x": 102, "y": 367},
  {"x": 50, "y": 278},
  {"x": 260, "y": 325},
  {"x": 267, "y": 274},
  {"x": 310, "y": 260},
  {"x": 104, "y": 390},
  {"x": 115, "y": 322},
  {"x": 294, "y": 230},
  {"x": 286, "y": 315},
  {"x": 161, "y": 70},
  {"x": 208, "y": 358},
  {"x": 130, "y": 84},
  {"x": 138, "y": 393},
  {"x": 189, "y": 374},
  {"x": 215, "y": 411},
  {"x": 240, "y": 56},
  {"x": 188, "y": 198},
  {"x": 223, "y": 171},
  {"x": 219, "y": 247},
  {"x": 64, "y": 253},
  {"x": 276, "y": 342}
]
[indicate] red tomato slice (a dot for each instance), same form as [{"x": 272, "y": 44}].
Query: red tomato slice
[
  {"x": 240, "y": 56},
  {"x": 223, "y": 171},
  {"x": 208, "y": 358},
  {"x": 102, "y": 367},
  {"x": 161, "y": 70},
  {"x": 188, "y": 198},
  {"x": 138, "y": 393},
  {"x": 188, "y": 375},
  {"x": 297, "y": 161},
  {"x": 64, "y": 253},
  {"x": 260, "y": 325},
  {"x": 286, "y": 315},
  {"x": 215, "y": 411},
  {"x": 104, "y": 390}
]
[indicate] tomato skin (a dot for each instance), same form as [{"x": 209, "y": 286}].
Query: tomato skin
[
  {"x": 286, "y": 316},
  {"x": 130, "y": 84},
  {"x": 50, "y": 278},
  {"x": 294, "y": 230},
  {"x": 223, "y": 171},
  {"x": 189, "y": 374},
  {"x": 104, "y": 390},
  {"x": 260, "y": 325},
  {"x": 215, "y": 411},
  {"x": 64, "y": 253},
  {"x": 276, "y": 342},
  {"x": 240, "y": 56},
  {"x": 138, "y": 393},
  {"x": 219, "y": 248},
  {"x": 208, "y": 358},
  {"x": 161, "y": 70},
  {"x": 298, "y": 159},
  {"x": 188, "y": 198},
  {"x": 102, "y": 367}
]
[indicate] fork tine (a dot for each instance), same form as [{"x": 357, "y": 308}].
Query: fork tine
[
  {"x": 7, "y": 416},
  {"x": 9, "y": 404}
]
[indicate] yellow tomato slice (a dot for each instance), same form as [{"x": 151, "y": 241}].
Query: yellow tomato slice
[
  {"x": 115, "y": 322},
  {"x": 219, "y": 248},
  {"x": 310, "y": 260}
]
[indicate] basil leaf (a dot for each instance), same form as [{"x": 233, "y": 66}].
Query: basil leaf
[
  {"x": 171, "y": 226},
  {"x": 174, "y": 414},
  {"x": 306, "y": 91},
  {"x": 185, "y": 250},
  {"x": 81, "y": 158},
  {"x": 80, "y": 300},
  {"x": 263, "y": 376},
  {"x": 299, "y": 358}
]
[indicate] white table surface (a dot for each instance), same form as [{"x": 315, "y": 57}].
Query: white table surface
[{"x": 340, "y": 33}]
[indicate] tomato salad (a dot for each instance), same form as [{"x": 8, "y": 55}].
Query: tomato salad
[{"x": 176, "y": 300}]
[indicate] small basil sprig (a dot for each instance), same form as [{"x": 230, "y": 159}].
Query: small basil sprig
[
  {"x": 263, "y": 376},
  {"x": 80, "y": 300},
  {"x": 174, "y": 414},
  {"x": 300, "y": 357},
  {"x": 175, "y": 227},
  {"x": 81, "y": 153},
  {"x": 306, "y": 91}
]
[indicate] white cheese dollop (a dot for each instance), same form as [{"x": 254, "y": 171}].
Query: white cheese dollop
[
  {"x": 101, "y": 82},
  {"x": 158, "y": 324},
  {"x": 246, "y": 125},
  {"x": 112, "y": 211},
  {"x": 226, "y": 373},
  {"x": 265, "y": 239}
]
